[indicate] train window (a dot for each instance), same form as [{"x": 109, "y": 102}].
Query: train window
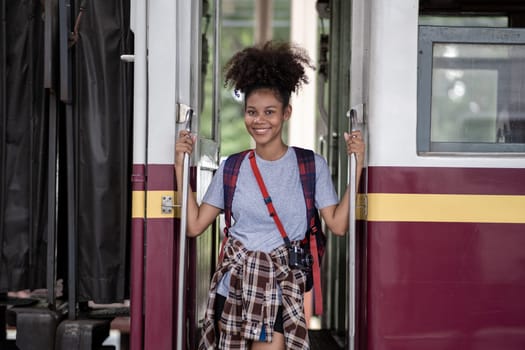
[{"x": 470, "y": 90}]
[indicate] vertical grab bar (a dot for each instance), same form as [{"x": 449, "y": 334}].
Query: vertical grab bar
[
  {"x": 352, "y": 269},
  {"x": 181, "y": 285},
  {"x": 216, "y": 101}
]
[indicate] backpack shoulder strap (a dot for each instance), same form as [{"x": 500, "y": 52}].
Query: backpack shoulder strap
[
  {"x": 306, "y": 162},
  {"x": 230, "y": 174}
]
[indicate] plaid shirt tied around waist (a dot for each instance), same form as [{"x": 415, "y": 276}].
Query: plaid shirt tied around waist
[{"x": 253, "y": 299}]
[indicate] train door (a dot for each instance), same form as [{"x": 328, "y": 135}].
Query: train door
[
  {"x": 344, "y": 270},
  {"x": 165, "y": 304}
]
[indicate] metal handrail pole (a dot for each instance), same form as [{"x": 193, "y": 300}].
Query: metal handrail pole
[
  {"x": 216, "y": 101},
  {"x": 181, "y": 286},
  {"x": 352, "y": 254},
  {"x": 356, "y": 120}
]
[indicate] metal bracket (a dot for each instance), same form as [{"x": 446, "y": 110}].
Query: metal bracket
[
  {"x": 167, "y": 204},
  {"x": 356, "y": 115},
  {"x": 184, "y": 113}
]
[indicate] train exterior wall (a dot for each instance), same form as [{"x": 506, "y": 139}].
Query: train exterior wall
[
  {"x": 445, "y": 234},
  {"x": 439, "y": 278}
]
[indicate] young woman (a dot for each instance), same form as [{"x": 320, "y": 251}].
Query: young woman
[{"x": 256, "y": 299}]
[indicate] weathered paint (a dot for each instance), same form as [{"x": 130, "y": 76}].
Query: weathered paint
[
  {"x": 155, "y": 247},
  {"x": 137, "y": 260}
]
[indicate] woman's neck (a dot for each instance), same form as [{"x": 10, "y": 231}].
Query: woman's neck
[{"x": 271, "y": 152}]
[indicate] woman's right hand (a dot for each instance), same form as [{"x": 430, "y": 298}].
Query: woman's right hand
[
  {"x": 199, "y": 216},
  {"x": 183, "y": 145}
]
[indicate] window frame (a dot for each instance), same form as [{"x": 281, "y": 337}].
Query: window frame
[{"x": 430, "y": 35}]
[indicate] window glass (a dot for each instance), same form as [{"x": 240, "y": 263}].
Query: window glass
[
  {"x": 468, "y": 83},
  {"x": 238, "y": 27},
  {"x": 472, "y": 99}
]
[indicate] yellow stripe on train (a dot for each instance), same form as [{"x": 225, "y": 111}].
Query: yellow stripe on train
[
  {"x": 154, "y": 205},
  {"x": 446, "y": 208},
  {"x": 393, "y": 207}
]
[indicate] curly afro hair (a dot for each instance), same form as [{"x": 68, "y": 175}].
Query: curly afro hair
[{"x": 276, "y": 65}]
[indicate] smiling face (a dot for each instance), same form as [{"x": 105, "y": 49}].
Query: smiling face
[{"x": 264, "y": 117}]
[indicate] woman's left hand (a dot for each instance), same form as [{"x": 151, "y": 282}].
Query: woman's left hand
[{"x": 355, "y": 145}]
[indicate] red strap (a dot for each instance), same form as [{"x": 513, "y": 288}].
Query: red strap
[
  {"x": 318, "y": 294},
  {"x": 267, "y": 198}
]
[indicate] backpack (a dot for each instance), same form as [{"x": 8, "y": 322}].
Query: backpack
[{"x": 315, "y": 239}]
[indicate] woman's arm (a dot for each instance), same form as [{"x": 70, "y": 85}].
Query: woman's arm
[
  {"x": 336, "y": 216},
  {"x": 199, "y": 217}
]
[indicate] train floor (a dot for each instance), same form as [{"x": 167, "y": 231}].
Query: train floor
[
  {"x": 325, "y": 340},
  {"x": 319, "y": 340}
]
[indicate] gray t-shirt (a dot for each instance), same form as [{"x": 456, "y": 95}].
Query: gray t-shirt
[{"x": 251, "y": 223}]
